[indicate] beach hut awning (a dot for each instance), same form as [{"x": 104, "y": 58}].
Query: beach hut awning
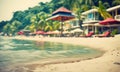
[
  {"x": 113, "y": 25},
  {"x": 61, "y": 17},
  {"x": 113, "y": 8},
  {"x": 89, "y": 11},
  {"x": 109, "y": 21}
]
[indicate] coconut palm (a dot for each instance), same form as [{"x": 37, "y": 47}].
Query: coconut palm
[
  {"x": 102, "y": 10},
  {"x": 42, "y": 23},
  {"x": 116, "y": 2},
  {"x": 52, "y": 26},
  {"x": 34, "y": 25},
  {"x": 87, "y": 4},
  {"x": 90, "y": 2},
  {"x": 6, "y": 28},
  {"x": 38, "y": 21},
  {"x": 78, "y": 6},
  {"x": 75, "y": 6}
]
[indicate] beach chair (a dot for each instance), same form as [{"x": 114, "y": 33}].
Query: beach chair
[
  {"x": 89, "y": 34},
  {"x": 105, "y": 34}
]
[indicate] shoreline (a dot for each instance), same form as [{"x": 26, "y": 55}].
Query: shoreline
[
  {"x": 87, "y": 42},
  {"x": 108, "y": 62}
]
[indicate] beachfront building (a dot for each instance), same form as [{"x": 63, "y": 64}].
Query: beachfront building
[
  {"x": 113, "y": 24},
  {"x": 92, "y": 20},
  {"x": 74, "y": 23},
  {"x": 73, "y": 27},
  {"x": 91, "y": 17},
  {"x": 115, "y": 12}
]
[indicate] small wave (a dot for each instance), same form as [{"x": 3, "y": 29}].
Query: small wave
[{"x": 6, "y": 47}]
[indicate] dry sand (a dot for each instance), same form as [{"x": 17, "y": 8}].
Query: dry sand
[{"x": 109, "y": 62}]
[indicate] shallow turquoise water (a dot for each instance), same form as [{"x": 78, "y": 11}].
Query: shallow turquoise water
[{"x": 14, "y": 51}]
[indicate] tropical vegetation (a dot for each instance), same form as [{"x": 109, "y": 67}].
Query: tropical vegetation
[{"x": 34, "y": 18}]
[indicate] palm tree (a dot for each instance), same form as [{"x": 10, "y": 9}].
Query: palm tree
[
  {"x": 42, "y": 22},
  {"x": 71, "y": 4},
  {"x": 75, "y": 6},
  {"x": 13, "y": 29},
  {"x": 90, "y": 2},
  {"x": 78, "y": 6},
  {"x": 6, "y": 28},
  {"x": 52, "y": 26},
  {"x": 102, "y": 10},
  {"x": 106, "y": 4},
  {"x": 38, "y": 22},
  {"x": 34, "y": 21},
  {"x": 116, "y": 2},
  {"x": 87, "y": 4},
  {"x": 32, "y": 28}
]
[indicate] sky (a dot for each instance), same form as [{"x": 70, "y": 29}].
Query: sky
[{"x": 8, "y": 7}]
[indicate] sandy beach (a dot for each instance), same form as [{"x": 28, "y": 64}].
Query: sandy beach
[{"x": 109, "y": 62}]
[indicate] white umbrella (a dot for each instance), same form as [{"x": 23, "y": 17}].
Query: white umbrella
[
  {"x": 65, "y": 32},
  {"x": 56, "y": 32},
  {"x": 77, "y": 30}
]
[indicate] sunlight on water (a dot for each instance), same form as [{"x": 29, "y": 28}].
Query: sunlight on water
[{"x": 20, "y": 51}]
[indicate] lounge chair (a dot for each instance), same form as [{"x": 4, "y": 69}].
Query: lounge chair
[
  {"x": 88, "y": 35},
  {"x": 105, "y": 34}
]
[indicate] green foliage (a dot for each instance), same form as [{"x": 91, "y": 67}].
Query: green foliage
[
  {"x": 115, "y": 31},
  {"x": 2, "y": 24},
  {"x": 12, "y": 28},
  {"x": 102, "y": 10},
  {"x": 116, "y": 2},
  {"x": 35, "y": 18},
  {"x": 6, "y": 28},
  {"x": 52, "y": 26}
]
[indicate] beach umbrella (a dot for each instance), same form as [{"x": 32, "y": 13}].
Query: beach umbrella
[
  {"x": 65, "y": 32},
  {"x": 109, "y": 21},
  {"x": 62, "y": 14},
  {"x": 49, "y": 32},
  {"x": 20, "y": 33},
  {"x": 77, "y": 30},
  {"x": 40, "y": 32},
  {"x": 56, "y": 32}
]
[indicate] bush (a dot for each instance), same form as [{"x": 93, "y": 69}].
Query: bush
[{"x": 115, "y": 31}]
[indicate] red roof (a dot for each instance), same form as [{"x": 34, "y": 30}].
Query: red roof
[{"x": 62, "y": 9}]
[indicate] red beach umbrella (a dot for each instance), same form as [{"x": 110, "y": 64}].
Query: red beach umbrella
[
  {"x": 20, "y": 33},
  {"x": 40, "y": 32},
  {"x": 109, "y": 21}
]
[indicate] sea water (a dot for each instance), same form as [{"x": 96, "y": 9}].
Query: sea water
[{"x": 13, "y": 51}]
